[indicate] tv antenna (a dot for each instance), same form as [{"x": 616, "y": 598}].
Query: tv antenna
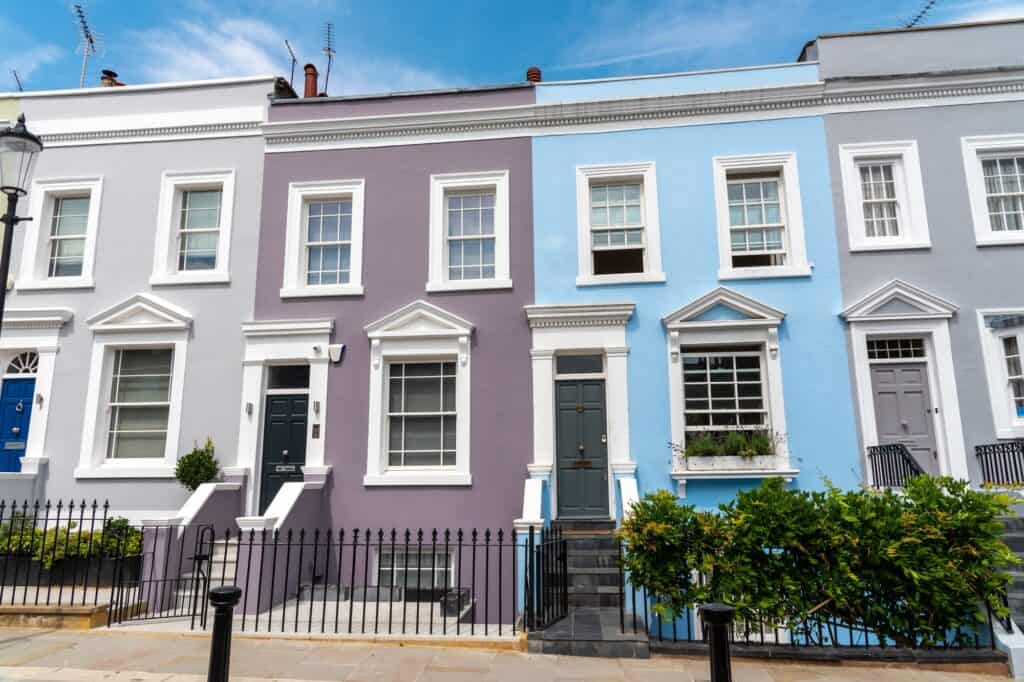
[
  {"x": 89, "y": 43},
  {"x": 928, "y": 6},
  {"x": 328, "y": 50},
  {"x": 291, "y": 52},
  {"x": 17, "y": 79}
]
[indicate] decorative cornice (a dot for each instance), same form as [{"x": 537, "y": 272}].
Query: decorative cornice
[
  {"x": 36, "y": 318},
  {"x": 151, "y": 134},
  {"x": 287, "y": 328},
  {"x": 579, "y": 315},
  {"x": 540, "y": 119}
]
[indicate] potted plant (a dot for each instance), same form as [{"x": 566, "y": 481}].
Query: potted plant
[
  {"x": 728, "y": 450},
  {"x": 197, "y": 467}
]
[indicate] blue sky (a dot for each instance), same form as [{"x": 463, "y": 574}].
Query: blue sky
[{"x": 387, "y": 45}]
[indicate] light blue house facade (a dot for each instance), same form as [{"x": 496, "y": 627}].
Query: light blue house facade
[{"x": 687, "y": 285}]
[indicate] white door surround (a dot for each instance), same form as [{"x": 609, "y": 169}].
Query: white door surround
[
  {"x": 899, "y": 309},
  {"x": 278, "y": 342},
  {"x": 571, "y": 329}
]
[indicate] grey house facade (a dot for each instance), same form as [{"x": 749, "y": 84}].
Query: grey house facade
[
  {"x": 121, "y": 341},
  {"x": 929, "y": 209}
]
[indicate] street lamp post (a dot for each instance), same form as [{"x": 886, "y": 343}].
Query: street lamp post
[{"x": 18, "y": 151}]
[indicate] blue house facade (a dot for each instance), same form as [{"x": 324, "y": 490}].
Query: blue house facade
[{"x": 687, "y": 291}]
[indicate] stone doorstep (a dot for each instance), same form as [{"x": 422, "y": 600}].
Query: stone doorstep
[{"x": 52, "y": 616}]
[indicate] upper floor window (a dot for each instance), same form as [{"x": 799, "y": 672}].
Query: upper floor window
[
  {"x": 68, "y": 231},
  {"x": 323, "y": 253},
  {"x": 618, "y": 231},
  {"x": 994, "y": 167},
  {"x": 469, "y": 231},
  {"x": 329, "y": 241},
  {"x": 193, "y": 235},
  {"x": 884, "y": 196},
  {"x": 760, "y": 217},
  {"x": 198, "y": 229},
  {"x": 59, "y": 249}
]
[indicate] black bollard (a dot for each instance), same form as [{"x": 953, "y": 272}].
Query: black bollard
[
  {"x": 224, "y": 599},
  {"x": 718, "y": 618}
]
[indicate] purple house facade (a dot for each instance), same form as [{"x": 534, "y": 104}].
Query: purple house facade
[{"x": 387, "y": 377}]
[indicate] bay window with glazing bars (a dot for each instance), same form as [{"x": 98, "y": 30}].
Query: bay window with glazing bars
[
  {"x": 421, "y": 415},
  {"x": 724, "y": 390}
]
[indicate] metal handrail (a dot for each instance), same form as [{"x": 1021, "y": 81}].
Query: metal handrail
[
  {"x": 892, "y": 465},
  {"x": 1001, "y": 463}
]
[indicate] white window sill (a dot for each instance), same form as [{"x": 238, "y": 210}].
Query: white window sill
[
  {"x": 178, "y": 279},
  {"x": 323, "y": 290},
  {"x": 395, "y": 478},
  {"x": 890, "y": 246},
  {"x": 126, "y": 471},
  {"x": 470, "y": 285},
  {"x": 1014, "y": 240},
  {"x": 17, "y": 476},
  {"x": 720, "y": 474},
  {"x": 766, "y": 272},
  {"x": 54, "y": 283},
  {"x": 1010, "y": 432},
  {"x": 630, "y": 278}
]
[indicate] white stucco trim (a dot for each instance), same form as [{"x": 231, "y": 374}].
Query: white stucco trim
[
  {"x": 437, "y": 273},
  {"x": 165, "y": 253},
  {"x": 299, "y": 193},
  {"x": 949, "y": 438},
  {"x": 909, "y": 187},
  {"x": 759, "y": 326},
  {"x": 973, "y": 148},
  {"x": 600, "y": 328},
  {"x": 647, "y": 173},
  {"x": 415, "y": 332},
  {"x": 35, "y": 329},
  {"x": 783, "y": 163},
  {"x": 919, "y": 304},
  {"x": 35, "y": 253},
  {"x": 270, "y": 342},
  {"x": 1006, "y": 422}
]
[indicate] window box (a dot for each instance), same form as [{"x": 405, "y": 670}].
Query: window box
[
  {"x": 728, "y": 463},
  {"x": 760, "y": 217},
  {"x": 618, "y": 230},
  {"x": 994, "y": 167}
]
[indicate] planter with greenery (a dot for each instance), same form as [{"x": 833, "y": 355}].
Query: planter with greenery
[
  {"x": 197, "y": 467},
  {"x": 915, "y": 568},
  {"x": 728, "y": 450}
]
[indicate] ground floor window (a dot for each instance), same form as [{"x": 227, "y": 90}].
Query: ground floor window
[
  {"x": 1015, "y": 375},
  {"x": 417, "y": 571},
  {"x": 140, "y": 402},
  {"x": 421, "y": 414},
  {"x": 723, "y": 391}
]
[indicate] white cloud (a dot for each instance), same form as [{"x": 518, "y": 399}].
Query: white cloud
[
  {"x": 983, "y": 10},
  {"x": 220, "y": 47},
  {"x": 663, "y": 30},
  {"x": 28, "y": 61}
]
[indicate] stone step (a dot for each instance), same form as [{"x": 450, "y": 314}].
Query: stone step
[
  {"x": 589, "y": 632},
  {"x": 593, "y": 600},
  {"x": 579, "y": 579},
  {"x": 584, "y": 559},
  {"x": 589, "y": 542},
  {"x": 584, "y": 525}
]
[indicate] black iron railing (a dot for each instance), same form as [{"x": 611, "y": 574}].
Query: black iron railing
[
  {"x": 1001, "y": 463},
  {"x": 546, "y": 579},
  {"x": 892, "y": 465}
]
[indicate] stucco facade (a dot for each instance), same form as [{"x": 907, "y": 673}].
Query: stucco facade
[
  {"x": 395, "y": 186},
  {"x": 118, "y": 147}
]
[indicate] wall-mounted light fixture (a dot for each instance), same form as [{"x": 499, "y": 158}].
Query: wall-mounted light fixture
[
  {"x": 248, "y": 409},
  {"x": 316, "y": 407},
  {"x": 39, "y": 399}
]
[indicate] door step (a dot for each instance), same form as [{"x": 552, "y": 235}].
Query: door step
[{"x": 590, "y": 632}]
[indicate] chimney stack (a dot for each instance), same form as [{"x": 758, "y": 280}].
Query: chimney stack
[
  {"x": 108, "y": 79},
  {"x": 311, "y": 81},
  {"x": 533, "y": 74}
]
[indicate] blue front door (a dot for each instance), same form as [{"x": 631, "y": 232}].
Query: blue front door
[{"x": 15, "y": 414}]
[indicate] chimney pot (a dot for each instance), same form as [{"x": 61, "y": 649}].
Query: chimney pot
[
  {"x": 533, "y": 74},
  {"x": 108, "y": 78},
  {"x": 311, "y": 81}
]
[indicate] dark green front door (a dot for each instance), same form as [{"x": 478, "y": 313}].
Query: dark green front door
[
  {"x": 284, "y": 444},
  {"x": 581, "y": 452}
]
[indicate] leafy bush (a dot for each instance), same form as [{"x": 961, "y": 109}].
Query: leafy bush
[
  {"x": 914, "y": 567},
  {"x": 703, "y": 446},
  {"x": 197, "y": 467},
  {"x": 762, "y": 444},
  {"x": 735, "y": 444},
  {"x": 117, "y": 539}
]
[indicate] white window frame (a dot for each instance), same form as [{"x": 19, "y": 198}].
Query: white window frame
[
  {"x": 973, "y": 149},
  {"x": 142, "y": 321},
  {"x": 718, "y": 352},
  {"x": 165, "y": 255},
  {"x": 418, "y": 332},
  {"x": 299, "y": 195},
  {"x": 784, "y": 164},
  {"x": 35, "y": 255},
  {"x": 1007, "y": 423},
  {"x": 611, "y": 173},
  {"x": 440, "y": 185},
  {"x": 911, "y": 212}
]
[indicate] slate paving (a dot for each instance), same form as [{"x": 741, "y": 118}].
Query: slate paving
[{"x": 77, "y": 656}]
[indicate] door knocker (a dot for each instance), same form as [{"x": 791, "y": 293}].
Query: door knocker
[{"x": 20, "y": 407}]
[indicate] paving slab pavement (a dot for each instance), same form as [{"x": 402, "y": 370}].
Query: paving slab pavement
[{"x": 77, "y": 656}]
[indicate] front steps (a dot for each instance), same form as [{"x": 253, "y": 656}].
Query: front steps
[
  {"x": 1013, "y": 536},
  {"x": 593, "y": 624}
]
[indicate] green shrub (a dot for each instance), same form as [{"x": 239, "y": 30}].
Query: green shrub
[
  {"x": 914, "y": 567},
  {"x": 703, "y": 446},
  {"x": 735, "y": 444},
  {"x": 116, "y": 539},
  {"x": 197, "y": 467},
  {"x": 762, "y": 444}
]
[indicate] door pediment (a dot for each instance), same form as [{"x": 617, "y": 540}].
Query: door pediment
[{"x": 899, "y": 300}]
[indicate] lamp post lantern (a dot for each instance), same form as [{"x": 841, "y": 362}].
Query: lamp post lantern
[{"x": 18, "y": 151}]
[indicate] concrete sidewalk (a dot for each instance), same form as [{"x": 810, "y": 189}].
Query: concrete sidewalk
[{"x": 47, "y": 656}]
